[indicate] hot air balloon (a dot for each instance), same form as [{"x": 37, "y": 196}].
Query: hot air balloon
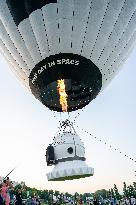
[{"x": 66, "y": 51}]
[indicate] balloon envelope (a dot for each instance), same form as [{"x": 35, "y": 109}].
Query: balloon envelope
[{"x": 84, "y": 42}]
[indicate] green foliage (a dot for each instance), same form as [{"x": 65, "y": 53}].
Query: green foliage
[
  {"x": 130, "y": 190},
  {"x": 116, "y": 192},
  {"x": 112, "y": 193},
  {"x": 47, "y": 195},
  {"x": 101, "y": 193},
  {"x": 18, "y": 186},
  {"x": 125, "y": 191}
]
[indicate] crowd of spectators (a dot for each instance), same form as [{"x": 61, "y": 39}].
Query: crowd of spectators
[
  {"x": 93, "y": 201},
  {"x": 10, "y": 195}
]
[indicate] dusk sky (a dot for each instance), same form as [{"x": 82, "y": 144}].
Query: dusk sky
[{"x": 27, "y": 127}]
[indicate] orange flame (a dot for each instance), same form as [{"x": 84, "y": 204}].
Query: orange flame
[{"x": 63, "y": 94}]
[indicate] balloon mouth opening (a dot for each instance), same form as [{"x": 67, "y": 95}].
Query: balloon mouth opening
[
  {"x": 81, "y": 77},
  {"x": 78, "y": 96}
]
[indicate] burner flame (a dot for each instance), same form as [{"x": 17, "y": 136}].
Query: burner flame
[{"x": 63, "y": 95}]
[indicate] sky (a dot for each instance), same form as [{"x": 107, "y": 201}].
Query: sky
[{"x": 27, "y": 127}]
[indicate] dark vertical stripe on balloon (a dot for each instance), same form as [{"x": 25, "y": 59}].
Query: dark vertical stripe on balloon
[
  {"x": 17, "y": 9},
  {"x": 32, "y": 5},
  {"x": 21, "y": 9}
]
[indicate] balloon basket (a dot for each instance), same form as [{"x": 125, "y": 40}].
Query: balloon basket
[{"x": 67, "y": 154}]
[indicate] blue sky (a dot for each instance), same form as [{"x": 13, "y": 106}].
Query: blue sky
[{"x": 27, "y": 127}]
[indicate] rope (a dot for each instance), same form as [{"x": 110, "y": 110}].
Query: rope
[
  {"x": 78, "y": 115},
  {"x": 110, "y": 146}
]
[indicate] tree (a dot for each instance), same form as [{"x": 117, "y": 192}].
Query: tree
[
  {"x": 130, "y": 190},
  {"x": 134, "y": 185},
  {"x": 101, "y": 193},
  {"x": 125, "y": 191},
  {"x": 109, "y": 194},
  {"x": 76, "y": 196},
  {"x": 117, "y": 195},
  {"x": 56, "y": 193},
  {"x": 112, "y": 193},
  {"x": 44, "y": 194}
]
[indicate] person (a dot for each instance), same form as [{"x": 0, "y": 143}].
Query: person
[
  {"x": 95, "y": 202},
  {"x": 33, "y": 200},
  {"x": 18, "y": 197},
  {"x": 132, "y": 200},
  {"x": 80, "y": 201},
  {"x": 112, "y": 201},
  {"x": 8, "y": 182},
  {"x": 38, "y": 201},
  {"x": 10, "y": 188},
  {"x": 1, "y": 199},
  {"x": 28, "y": 202},
  {"x": 4, "y": 192}
]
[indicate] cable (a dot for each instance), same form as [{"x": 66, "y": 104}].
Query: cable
[
  {"x": 78, "y": 114},
  {"x": 110, "y": 146}
]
